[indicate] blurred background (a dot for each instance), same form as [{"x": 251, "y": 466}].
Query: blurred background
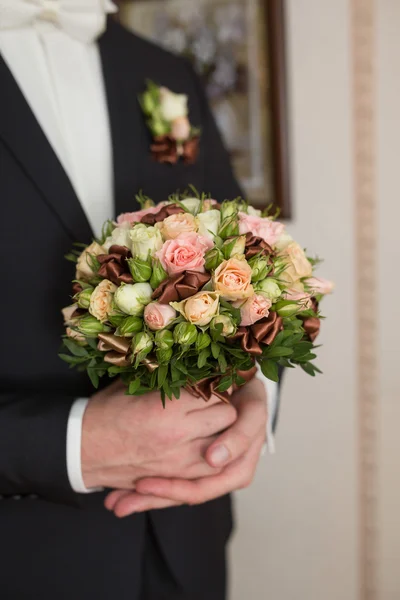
[{"x": 306, "y": 93}]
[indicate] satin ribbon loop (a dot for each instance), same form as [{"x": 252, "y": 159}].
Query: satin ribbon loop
[
  {"x": 207, "y": 387},
  {"x": 118, "y": 349},
  {"x": 113, "y": 266},
  {"x": 165, "y": 149},
  {"x": 179, "y": 287}
]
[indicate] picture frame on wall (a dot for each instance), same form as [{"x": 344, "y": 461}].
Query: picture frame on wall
[{"x": 238, "y": 49}]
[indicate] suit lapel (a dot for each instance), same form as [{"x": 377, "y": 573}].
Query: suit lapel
[
  {"x": 24, "y": 137},
  {"x": 124, "y": 79}
]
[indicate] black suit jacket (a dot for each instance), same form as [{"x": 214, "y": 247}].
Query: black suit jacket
[{"x": 61, "y": 537}]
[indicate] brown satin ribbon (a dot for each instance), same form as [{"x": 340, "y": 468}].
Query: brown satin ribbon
[
  {"x": 163, "y": 213},
  {"x": 165, "y": 149},
  {"x": 76, "y": 288},
  {"x": 263, "y": 332},
  {"x": 117, "y": 349},
  {"x": 114, "y": 266},
  {"x": 312, "y": 325},
  {"x": 180, "y": 286},
  {"x": 255, "y": 245},
  {"x": 205, "y": 388}
]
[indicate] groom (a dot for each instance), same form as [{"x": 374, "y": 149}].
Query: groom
[{"x": 74, "y": 150}]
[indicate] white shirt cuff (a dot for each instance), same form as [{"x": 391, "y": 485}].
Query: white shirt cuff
[
  {"x": 74, "y": 440},
  {"x": 272, "y": 389}
]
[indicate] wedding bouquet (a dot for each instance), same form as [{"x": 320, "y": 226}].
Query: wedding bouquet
[{"x": 191, "y": 293}]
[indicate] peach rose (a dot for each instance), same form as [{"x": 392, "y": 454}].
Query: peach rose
[
  {"x": 175, "y": 225},
  {"x": 232, "y": 279},
  {"x": 318, "y": 285},
  {"x": 255, "y": 308},
  {"x": 200, "y": 308},
  {"x": 84, "y": 270},
  {"x": 180, "y": 129},
  {"x": 269, "y": 231},
  {"x": 101, "y": 300},
  {"x": 184, "y": 253},
  {"x": 297, "y": 264},
  {"x": 157, "y": 316}
]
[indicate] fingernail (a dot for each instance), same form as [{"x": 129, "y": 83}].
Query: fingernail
[{"x": 219, "y": 456}]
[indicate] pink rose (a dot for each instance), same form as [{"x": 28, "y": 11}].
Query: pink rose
[
  {"x": 184, "y": 253},
  {"x": 135, "y": 217},
  {"x": 300, "y": 296},
  {"x": 318, "y": 285},
  {"x": 269, "y": 231},
  {"x": 255, "y": 308},
  {"x": 157, "y": 316},
  {"x": 180, "y": 129}
]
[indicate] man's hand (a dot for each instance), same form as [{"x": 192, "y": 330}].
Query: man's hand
[
  {"x": 125, "y": 438},
  {"x": 237, "y": 450}
]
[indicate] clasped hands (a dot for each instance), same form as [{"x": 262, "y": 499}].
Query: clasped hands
[{"x": 188, "y": 453}]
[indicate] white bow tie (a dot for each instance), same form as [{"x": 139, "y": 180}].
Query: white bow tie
[{"x": 83, "y": 20}]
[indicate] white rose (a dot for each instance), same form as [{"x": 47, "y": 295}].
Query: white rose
[
  {"x": 145, "y": 240},
  {"x": 131, "y": 298},
  {"x": 192, "y": 204},
  {"x": 119, "y": 236},
  {"x": 84, "y": 270},
  {"x": 209, "y": 222},
  {"x": 172, "y": 105},
  {"x": 284, "y": 240},
  {"x": 254, "y": 212}
]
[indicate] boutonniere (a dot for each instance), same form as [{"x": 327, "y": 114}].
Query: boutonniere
[{"x": 174, "y": 137}]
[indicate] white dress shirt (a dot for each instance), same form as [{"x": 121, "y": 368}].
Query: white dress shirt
[{"x": 61, "y": 79}]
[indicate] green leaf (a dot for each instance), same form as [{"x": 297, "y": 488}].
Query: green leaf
[
  {"x": 225, "y": 383},
  {"x": 73, "y": 360},
  {"x": 215, "y": 349},
  {"x": 269, "y": 368},
  {"x": 278, "y": 352},
  {"x": 222, "y": 362},
  {"x": 203, "y": 356},
  {"x": 134, "y": 386},
  {"x": 94, "y": 376},
  {"x": 162, "y": 373},
  {"x": 75, "y": 348}
]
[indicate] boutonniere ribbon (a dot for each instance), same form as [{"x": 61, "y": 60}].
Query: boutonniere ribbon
[{"x": 174, "y": 137}]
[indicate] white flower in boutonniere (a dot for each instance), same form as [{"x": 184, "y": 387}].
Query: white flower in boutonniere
[{"x": 167, "y": 118}]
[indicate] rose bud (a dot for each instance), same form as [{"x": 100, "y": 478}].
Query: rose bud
[
  {"x": 145, "y": 241},
  {"x": 213, "y": 258},
  {"x": 208, "y": 223},
  {"x": 200, "y": 308},
  {"x": 234, "y": 246},
  {"x": 83, "y": 298},
  {"x": 192, "y": 204},
  {"x": 101, "y": 300},
  {"x": 164, "y": 339},
  {"x": 259, "y": 268},
  {"x": 140, "y": 269},
  {"x": 86, "y": 264},
  {"x": 228, "y": 326},
  {"x": 180, "y": 129},
  {"x": 269, "y": 288},
  {"x": 318, "y": 285},
  {"x": 129, "y": 326},
  {"x": 158, "y": 275},
  {"x": 131, "y": 298},
  {"x": 158, "y": 316},
  {"x": 142, "y": 344},
  {"x": 229, "y": 227},
  {"x": 185, "y": 334},
  {"x": 203, "y": 341},
  {"x": 164, "y": 355},
  {"x": 89, "y": 326},
  {"x": 229, "y": 208}
]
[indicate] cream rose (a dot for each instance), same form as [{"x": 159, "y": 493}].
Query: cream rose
[
  {"x": 119, "y": 236},
  {"x": 158, "y": 316},
  {"x": 145, "y": 241},
  {"x": 172, "y": 105},
  {"x": 200, "y": 308},
  {"x": 192, "y": 204},
  {"x": 232, "y": 279},
  {"x": 175, "y": 225},
  {"x": 131, "y": 298},
  {"x": 208, "y": 223},
  {"x": 101, "y": 300},
  {"x": 84, "y": 270},
  {"x": 297, "y": 264}
]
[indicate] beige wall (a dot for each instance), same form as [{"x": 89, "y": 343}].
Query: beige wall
[{"x": 298, "y": 533}]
